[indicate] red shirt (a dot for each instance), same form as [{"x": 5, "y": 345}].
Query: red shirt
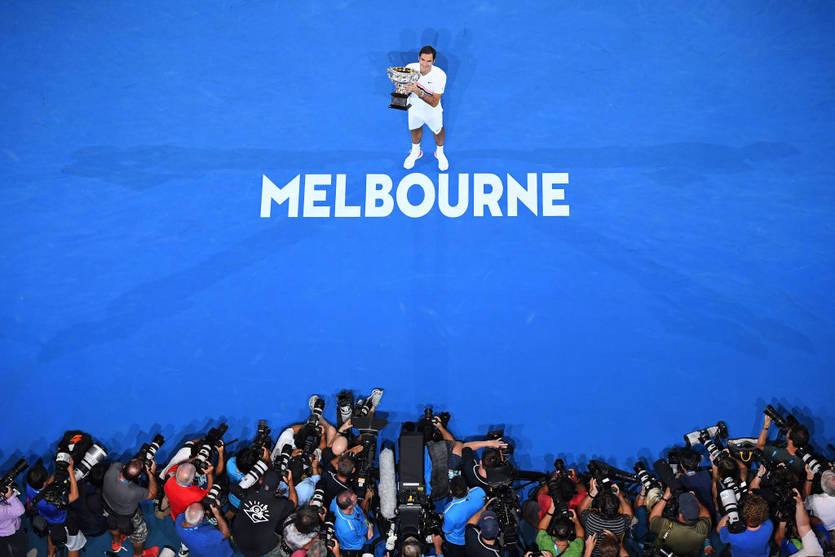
[{"x": 180, "y": 497}]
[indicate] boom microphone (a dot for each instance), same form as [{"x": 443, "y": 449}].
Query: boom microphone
[{"x": 388, "y": 488}]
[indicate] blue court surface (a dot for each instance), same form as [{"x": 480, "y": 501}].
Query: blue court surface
[{"x": 693, "y": 281}]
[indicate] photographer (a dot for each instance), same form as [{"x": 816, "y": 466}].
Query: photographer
[
  {"x": 60, "y": 524},
  {"x": 12, "y": 536},
  {"x": 203, "y": 539},
  {"x": 239, "y": 466},
  {"x": 809, "y": 544},
  {"x": 121, "y": 496},
  {"x": 698, "y": 481},
  {"x": 560, "y": 535},
  {"x": 474, "y": 470},
  {"x": 339, "y": 474},
  {"x": 181, "y": 491},
  {"x": 352, "y": 528},
  {"x": 605, "y": 544},
  {"x": 684, "y": 536},
  {"x": 465, "y": 503},
  {"x": 611, "y": 511},
  {"x": 301, "y": 531},
  {"x": 755, "y": 539},
  {"x": 822, "y": 505},
  {"x": 796, "y": 436},
  {"x": 481, "y": 534},
  {"x": 257, "y": 527}
]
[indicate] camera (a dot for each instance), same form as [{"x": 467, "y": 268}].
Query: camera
[
  {"x": 8, "y": 479},
  {"x": 282, "y": 460},
  {"x": 262, "y": 436},
  {"x": 148, "y": 451},
  {"x": 606, "y": 475},
  {"x": 810, "y": 460},
  {"x": 720, "y": 430},
  {"x": 207, "y": 445},
  {"x": 214, "y": 498},
  {"x": 426, "y": 425},
  {"x": 784, "y": 424}
]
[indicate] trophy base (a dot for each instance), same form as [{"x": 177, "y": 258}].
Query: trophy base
[{"x": 399, "y": 101}]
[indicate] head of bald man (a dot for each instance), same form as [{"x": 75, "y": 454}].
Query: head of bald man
[
  {"x": 340, "y": 445},
  {"x": 195, "y": 514},
  {"x": 185, "y": 474}
]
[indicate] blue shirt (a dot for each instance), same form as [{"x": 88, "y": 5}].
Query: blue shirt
[
  {"x": 350, "y": 529},
  {"x": 304, "y": 490},
  {"x": 49, "y": 512},
  {"x": 234, "y": 476},
  {"x": 203, "y": 540},
  {"x": 750, "y": 543},
  {"x": 458, "y": 512}
]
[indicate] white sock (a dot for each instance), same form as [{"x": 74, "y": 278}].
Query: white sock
[
  {"x": 439, "y": 149},
  {"x": 415, "y": 148}
]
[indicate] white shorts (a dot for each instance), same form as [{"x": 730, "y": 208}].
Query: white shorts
[{"x": 432, "y": 118}]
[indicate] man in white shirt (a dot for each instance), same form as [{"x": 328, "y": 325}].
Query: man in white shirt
[
  {"x": 425, "y": 101},
  {"x": 822, "y": 505}
]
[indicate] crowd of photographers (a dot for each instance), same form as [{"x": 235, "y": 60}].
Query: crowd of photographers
[{"x": 325, "y": 489}]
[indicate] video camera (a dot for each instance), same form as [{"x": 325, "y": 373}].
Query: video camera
[
  {"x": 205, "y": 447},
  {"x": 8, "y": 481},
  {"x": 408, "y": 515},
  {"x": 606, "y": 475}
]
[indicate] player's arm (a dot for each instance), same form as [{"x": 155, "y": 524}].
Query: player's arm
[{"x": 432, "y": 99}]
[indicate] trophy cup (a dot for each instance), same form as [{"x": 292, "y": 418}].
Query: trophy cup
[{"x": 401, "y": 76}]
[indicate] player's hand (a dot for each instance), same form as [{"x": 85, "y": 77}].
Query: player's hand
[
  {"x": 152, "y": 467},
  {"x": 411, "y": 88},
  {"x": 209, "y": 470}
]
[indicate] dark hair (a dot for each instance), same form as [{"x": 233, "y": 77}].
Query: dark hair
[
  {"x": 562, "y": 528},
  {"x": 754, "y": 510},
  {"x": 246, "y": 458},
  {"x": 345, "y": 465},
  {"x": 458, "y": 487},
  {"x": 566, "y": 488},
  {"x": 306, "y": 520},
  {"x": 799, "y": 436},
  {"x": 491, "y": 458},
  {"x": 133, "y": 469},
  {"x": 37, "y": 476},
  {"x": 689, "y": 458},
  {"x": 609, "y": 504},
  {"x": 607, "y": 545},
  {"x": 428, "y": 50},
  {"x": 411, "y": 548},
  {"x": 344, "y": 500}
]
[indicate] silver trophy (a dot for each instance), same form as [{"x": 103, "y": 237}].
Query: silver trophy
[{"x": 401, "y": 76}]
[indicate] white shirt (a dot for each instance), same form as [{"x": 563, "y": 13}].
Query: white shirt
[
  {"x": 823, "y": 507},
  {"x": 434, "y": 82}
]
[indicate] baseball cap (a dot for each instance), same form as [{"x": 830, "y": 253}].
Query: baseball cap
[
  {"x": 688, "y": 507},
  {"x": 489, "y": 525}
]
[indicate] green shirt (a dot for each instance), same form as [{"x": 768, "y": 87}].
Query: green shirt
[
  {"x": 683, "y": 540},
  {"x": 547, "y": 543}
]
